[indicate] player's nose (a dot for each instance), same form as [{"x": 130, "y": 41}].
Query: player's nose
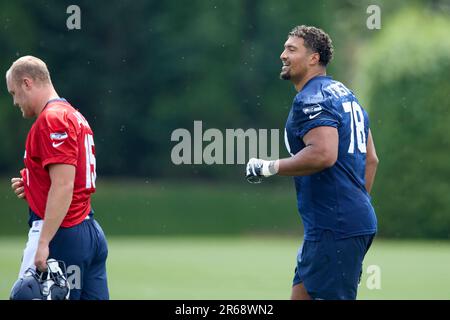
[{"x": 283, "y": 56}]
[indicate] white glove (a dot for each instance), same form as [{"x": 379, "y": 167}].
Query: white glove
[{"x": 258, "y": 168}]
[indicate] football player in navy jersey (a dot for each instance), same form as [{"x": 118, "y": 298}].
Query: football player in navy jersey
[{"x": 333, "y": 164}]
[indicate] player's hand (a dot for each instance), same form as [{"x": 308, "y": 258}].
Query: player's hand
[
  {"x": 40, "y": 259},
  {"x": 253, "y": 171},
  {"x": 18, "y": 187},
  {"x": 258, "y": 168}
]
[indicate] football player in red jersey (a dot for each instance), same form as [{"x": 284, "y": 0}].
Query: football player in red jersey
[{"x": 57, "y": 182}]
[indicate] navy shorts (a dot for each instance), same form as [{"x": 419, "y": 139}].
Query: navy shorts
[
  {"x": 84, "y": 250},
  {"x": 331, "y": 268}
]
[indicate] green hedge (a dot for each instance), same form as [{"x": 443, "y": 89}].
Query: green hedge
[{"x": 405, "y": 82}]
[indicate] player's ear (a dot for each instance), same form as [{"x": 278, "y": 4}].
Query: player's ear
[
  {"x": 314, "y": 58},
  {"x": 27, "y": 82}
]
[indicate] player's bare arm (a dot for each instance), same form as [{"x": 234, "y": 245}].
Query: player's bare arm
[
  {"x": 371, "y": 163},
  {"x": 62, "y": 178},
  {"x": 321, "y": 152},
  {"x": 18, "y": 187}
]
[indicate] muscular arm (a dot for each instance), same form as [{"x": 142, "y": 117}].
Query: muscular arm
[
  {"x": 371, "y": 163},
  {"x": 321, "y": 152},
  {"x": 59, "y": 198},
  {"x": 60, "y": 195}
]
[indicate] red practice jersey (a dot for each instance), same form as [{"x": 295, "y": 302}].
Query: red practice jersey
[{"x": 60, "y": 135}]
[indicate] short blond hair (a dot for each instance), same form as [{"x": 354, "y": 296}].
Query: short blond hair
[{"x": 29, "y": 66}]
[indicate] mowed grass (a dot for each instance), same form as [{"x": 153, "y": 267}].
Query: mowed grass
[{"x": 246, "y": 268}]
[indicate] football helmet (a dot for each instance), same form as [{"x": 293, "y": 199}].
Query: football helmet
[{"x": 49, "y": 285}]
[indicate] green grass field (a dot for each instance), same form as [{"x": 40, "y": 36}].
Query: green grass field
[{"x": 245, "y": 268}]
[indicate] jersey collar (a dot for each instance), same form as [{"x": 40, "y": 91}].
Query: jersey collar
[
  {"x": 53, "y": 100},
  {"x": 315, "y": 78}
]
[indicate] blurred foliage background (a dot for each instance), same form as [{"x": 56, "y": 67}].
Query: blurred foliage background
[{"x": 138, "y": 70}]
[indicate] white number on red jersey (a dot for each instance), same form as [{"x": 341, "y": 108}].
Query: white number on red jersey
[{"x": 90, "y": 161}]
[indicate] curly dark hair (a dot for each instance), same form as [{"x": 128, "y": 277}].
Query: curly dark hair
[{"x": 316, "y": 40}]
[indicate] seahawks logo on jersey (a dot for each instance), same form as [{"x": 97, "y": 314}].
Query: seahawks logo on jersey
[
  {"x": 58, "y": 135},
  {"x": 312, "y": 109}
]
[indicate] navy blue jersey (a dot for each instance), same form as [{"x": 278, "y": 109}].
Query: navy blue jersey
[{"x": 335, "y": 198}]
